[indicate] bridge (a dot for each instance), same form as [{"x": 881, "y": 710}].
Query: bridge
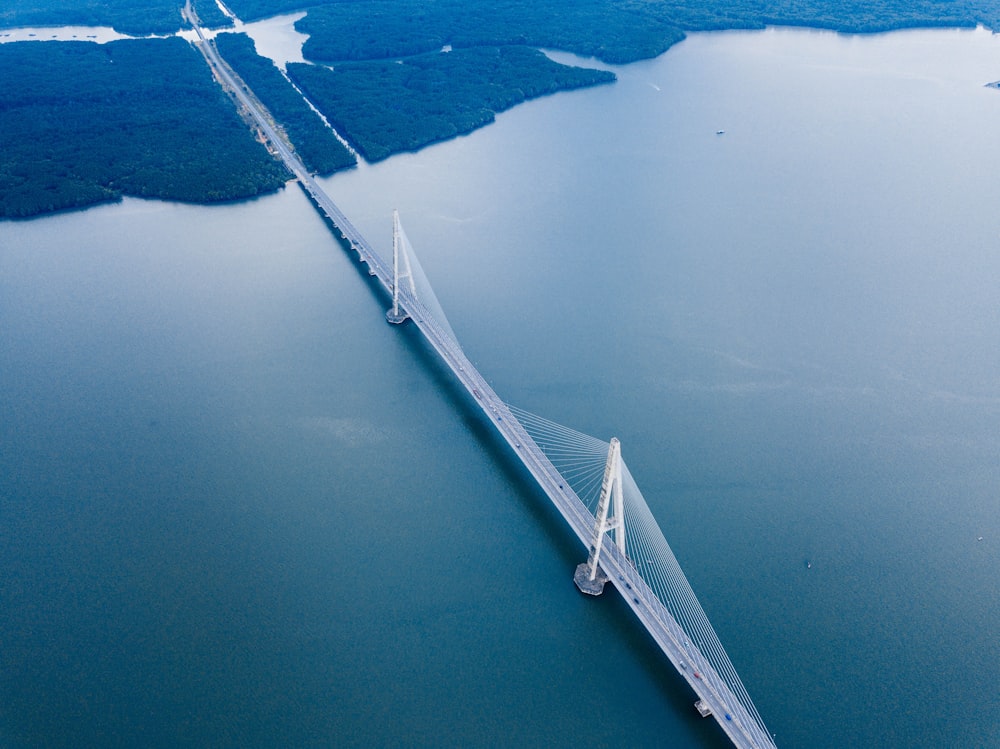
[{"x": 636, "y": 558}]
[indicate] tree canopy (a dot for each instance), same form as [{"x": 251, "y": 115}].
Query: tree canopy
[
  {"x": 388, "y": 106},
  {"x": 127, "y": 16},
  {"x": 82, "y": 123},
  {"x": 136, "y": 17},
  {"x": 615, "y": 31}
]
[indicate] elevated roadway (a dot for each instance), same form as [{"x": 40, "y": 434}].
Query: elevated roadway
[{"x": 734, "y": 718}]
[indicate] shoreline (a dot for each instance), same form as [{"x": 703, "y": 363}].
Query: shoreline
[{"x": 461, "y": 127}]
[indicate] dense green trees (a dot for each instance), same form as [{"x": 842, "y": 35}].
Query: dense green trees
[
  {"x": 135, "y": 17},
  {"x": 82, "y": 123},
  {"x": 315, "y": 143},
  {"x": 210, "y": 15},
  {"x": 128, "y": 16},
  {"x": 389, "y": 106},
  {"x": 396, "y": 28},
  {"x": 612, "y": 30},
  {"x": 383, "y": 107}
]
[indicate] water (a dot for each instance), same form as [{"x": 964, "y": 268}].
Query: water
[
  {"x": 275, "y": 38},
  {"x": 97, "y": 34},
  {"x": 238, "y": 509}
]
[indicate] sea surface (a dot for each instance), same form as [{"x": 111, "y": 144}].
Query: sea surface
[{"x": 238, "y": 509}]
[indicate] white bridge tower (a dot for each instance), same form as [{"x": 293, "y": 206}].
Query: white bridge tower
[
  {"x": 396, "y": 315},
  {"x": 589, "y": 576}
]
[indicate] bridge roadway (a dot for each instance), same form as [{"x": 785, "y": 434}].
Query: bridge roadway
[{"x": 737, "y": 722}]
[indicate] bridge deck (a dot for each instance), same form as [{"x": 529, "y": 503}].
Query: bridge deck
[{"x": 741, "y": 727}]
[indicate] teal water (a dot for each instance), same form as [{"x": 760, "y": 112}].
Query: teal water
[{"x": 238, "y": 509}]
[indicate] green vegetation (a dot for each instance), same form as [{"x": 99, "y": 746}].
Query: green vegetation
[
  {"x": 209, "y": 14},
  {"x": 127, "y": 16},
  {"x": 385, "y": 107},
  {"x": 82, "y": 123},
  {"x": 134, "y": 17},
  {"x": 398, "y": 28},
  {"x": 315, "y": 143},
  {"x": 613, "y": 30}
]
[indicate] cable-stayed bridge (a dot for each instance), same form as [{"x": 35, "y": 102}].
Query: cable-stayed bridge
[
  {"x": 595, "y": 493},
  {"x": 585, "y": 478}
]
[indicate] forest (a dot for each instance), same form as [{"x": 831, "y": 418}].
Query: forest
[
  {"x": 391, "y": 88},
  {"x": 127, "y": 16},
  {"x": 314, "y": 142},
  {"x": 385, "y": 107},
  {"x": 210, "y": 15},
  {"x": 611, "y": 30},
  {"x": 135, "y": 17},
  {"x": 83, "y": 123}
]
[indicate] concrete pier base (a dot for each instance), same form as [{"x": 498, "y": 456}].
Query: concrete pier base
[{"x": 591, "y": 587}]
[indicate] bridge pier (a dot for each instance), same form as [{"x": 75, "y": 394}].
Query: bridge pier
[{"x": 592, "y": 586}]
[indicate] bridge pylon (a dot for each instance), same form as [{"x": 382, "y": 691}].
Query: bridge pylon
[
  {"x": 589, "y": 576},
  {"x": 399, "y": 253}
]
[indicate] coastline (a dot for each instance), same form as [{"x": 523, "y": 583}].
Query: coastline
[{"x": 380, "y": 121}]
